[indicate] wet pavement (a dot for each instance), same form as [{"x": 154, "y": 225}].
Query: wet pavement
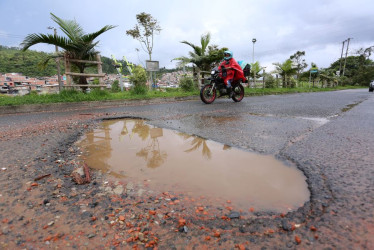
[{"x": 326, "y": 135}]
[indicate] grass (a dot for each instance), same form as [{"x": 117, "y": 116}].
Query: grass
[
  {"x": 279, "y": 91},
  {"x": 67, "y": 96}
]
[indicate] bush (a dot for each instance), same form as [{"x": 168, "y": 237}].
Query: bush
[
  {"x": 115, "y": 86},
  {"x": 139, "y": 79},
  {"x": 343, "y": 81},
  {"x": 139, "y": 90},
  {"x": 270, "y": 81},
  {"x": 187, "y": 84},
  {"x": 292, "y": 83}
]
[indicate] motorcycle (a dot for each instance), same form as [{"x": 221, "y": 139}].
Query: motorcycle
[{"x": 208, "y": 92}]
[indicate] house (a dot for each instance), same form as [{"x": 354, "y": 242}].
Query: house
[{"x": 18, "y": 83}]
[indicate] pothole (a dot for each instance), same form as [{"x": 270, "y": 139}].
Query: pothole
[{"x": 132, "y": 150}]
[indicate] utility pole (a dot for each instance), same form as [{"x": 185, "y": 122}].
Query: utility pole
[
  {"x": 346, "y": 53},
  {"x": 263, "y": 77},
  {"x": 341, "y": 56},
  {"x": 60, "y": 86}
]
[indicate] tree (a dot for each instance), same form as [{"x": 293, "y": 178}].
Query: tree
[
  {"x": 365, "y": 72},
  {"x": 299, "y": 62},
  {"x": 285, "y": 69},
  {"x": 144, "y": 31},
  {"x": 359, "y": 69},
  {"x": 256, "y": 68},
  {"x": 204, "y": 56},
  {"x": 77, "y": 44},
  {"x": 329, "y": 77}
]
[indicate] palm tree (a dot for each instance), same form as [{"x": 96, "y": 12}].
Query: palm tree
[
  {"x": 77, "y": 44},
  {"x": 329, "y": 77},
  {"x": 256, "y": 69},
  {"x": 285, "y": 69},
  {"x": 202, "y": 56}
]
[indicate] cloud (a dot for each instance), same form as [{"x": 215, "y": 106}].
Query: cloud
[{"x": 281, "y": 27}]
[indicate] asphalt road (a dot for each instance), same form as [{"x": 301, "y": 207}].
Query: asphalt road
[{"x": 327, "y": 135}]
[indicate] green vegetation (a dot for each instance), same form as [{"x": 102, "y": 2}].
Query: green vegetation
[
  {"x": 139, "y": 79},
  {"x": 144, "y": 31},
  {"x": 67, "y": 96},
  {"x": 77, "y": 45},
  {"x": 279, "y": 91},
  {"x": 94, "y": 95},
  {"x": 203, "y": 57},
  {"x": 187, "y": 84},
  {"x": 285, "y": 70},
  {"x": 13, "y": 60}
]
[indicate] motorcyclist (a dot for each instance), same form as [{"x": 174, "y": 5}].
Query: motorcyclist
[{"x": 233, "y": 71}]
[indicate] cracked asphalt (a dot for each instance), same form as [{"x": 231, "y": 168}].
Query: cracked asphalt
[{"x": 327, "y": 135}]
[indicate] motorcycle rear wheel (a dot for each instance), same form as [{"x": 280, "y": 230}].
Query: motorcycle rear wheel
[
  {"x": 238, "y": 93},
  {"x": 208, "y": 94}
]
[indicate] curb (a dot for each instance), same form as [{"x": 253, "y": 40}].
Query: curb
[{"x": 31, "y": 108}]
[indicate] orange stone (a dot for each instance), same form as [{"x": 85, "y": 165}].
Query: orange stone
[
  {"x": 152, "y": 212},
  {"x": 182, "y": 222},
  {"x": 312, "y": 228}
]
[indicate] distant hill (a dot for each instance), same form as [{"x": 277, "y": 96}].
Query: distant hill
[{"x": 13, "y": 60}]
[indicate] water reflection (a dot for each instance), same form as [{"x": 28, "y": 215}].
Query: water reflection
[
  {"x": 196, "y": 143},
  {"x": 100, "y": 142},
  {"x": 152, "y": 153},
  {"x": 170, "y": 160},
  {"x": 141, "y": 129}
]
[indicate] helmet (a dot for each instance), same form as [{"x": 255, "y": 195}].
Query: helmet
[{"x": 227, "y": 55}]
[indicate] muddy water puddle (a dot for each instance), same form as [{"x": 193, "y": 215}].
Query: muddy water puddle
[{"x": 168, "y": 160}]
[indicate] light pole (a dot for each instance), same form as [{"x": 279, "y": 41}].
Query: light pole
[
  {"x": 253, "y": 61},
  {"x": 57, "y": 61}
]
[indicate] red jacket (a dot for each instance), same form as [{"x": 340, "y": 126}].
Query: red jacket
[{"x": 235, "y": 72}]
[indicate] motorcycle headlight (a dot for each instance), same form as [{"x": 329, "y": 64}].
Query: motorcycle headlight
[{"x": 212, "y": 72}]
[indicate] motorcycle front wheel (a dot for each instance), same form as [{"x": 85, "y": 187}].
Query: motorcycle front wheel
[
  {"x": 208, "y": 94},
  {"x": 238, "y": 93}
]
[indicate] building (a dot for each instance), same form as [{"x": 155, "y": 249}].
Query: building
[{"x": 16, "y": 83}]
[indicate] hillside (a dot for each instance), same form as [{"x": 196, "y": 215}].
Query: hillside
[{"x": 15, "y": 60}]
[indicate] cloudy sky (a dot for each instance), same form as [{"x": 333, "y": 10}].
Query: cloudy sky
[{"x": 281, "y": 27}]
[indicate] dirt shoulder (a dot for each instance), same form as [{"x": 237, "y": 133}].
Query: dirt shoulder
[{"x": 41, "y": 206}]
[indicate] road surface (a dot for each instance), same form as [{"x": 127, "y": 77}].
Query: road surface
[{"x": 328, "y": 135}]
